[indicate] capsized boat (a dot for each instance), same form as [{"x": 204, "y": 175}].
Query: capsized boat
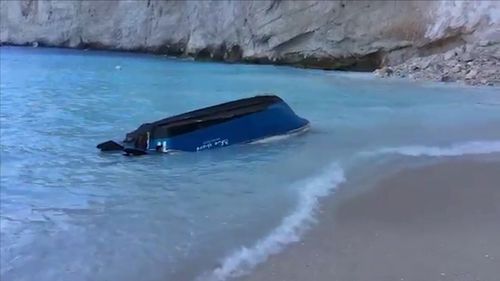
[{"x": 240, "y": 121}]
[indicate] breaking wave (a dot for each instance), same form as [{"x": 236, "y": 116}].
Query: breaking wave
[
  {"x": 292, "y": 227},
  {"x": 458, "y": 149},
  {"x": 289, "y": 231}
]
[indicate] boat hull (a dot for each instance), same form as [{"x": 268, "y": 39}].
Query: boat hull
[
  {"x": 241, "y": 121},
  {"x": 277, "y": 119}
]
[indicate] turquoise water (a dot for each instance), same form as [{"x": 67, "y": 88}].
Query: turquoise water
[{"x": 69, "y": 212}]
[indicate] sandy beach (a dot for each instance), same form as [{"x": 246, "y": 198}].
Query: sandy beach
[{"x": 437, "y": 222}]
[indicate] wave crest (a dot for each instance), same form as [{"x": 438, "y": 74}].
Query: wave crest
[
  {"x": 313, "y": 188},
  {"x": 475, "y": 147},
  {"x": 289, "y": 231}
]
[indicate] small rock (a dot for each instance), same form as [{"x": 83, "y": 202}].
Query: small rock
[
  {"x": 388, "y": 70},
  {"x": 425, "y": 64},
  {"x": 415, "y": 67},
  {"x": 460, "y": 50},
  {"x": 385, "y": 71},
  {"x": 467, "y": 57},
  {"x": 471, "y": 75},
  {"x": 450, "y": 54},
  {"x": 457, "y": 68},
  {"x": 490, "y": 72},
  {"x": 452, "y": 62},
  {"x": 446, "y": 78},
  {"x": 440, "y": 67},
  {"x": 483, "y": 43}
]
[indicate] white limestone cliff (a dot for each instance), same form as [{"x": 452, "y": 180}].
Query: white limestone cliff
[{"x": 357, "y": 35}]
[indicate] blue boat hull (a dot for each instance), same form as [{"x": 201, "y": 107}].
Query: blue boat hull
[
  {"x": 277, "y": 119},
  {"x": 235, "y": 122}
]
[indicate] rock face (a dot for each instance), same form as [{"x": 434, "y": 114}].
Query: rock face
[{"x": 353, "y": 35}]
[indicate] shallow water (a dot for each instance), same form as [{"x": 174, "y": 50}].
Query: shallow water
[{"x": 69, "y": 212}]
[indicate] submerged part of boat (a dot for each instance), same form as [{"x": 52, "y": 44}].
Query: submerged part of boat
[
  {"x": 110, "y": 146},
  {"x": 241, "y": 121}
]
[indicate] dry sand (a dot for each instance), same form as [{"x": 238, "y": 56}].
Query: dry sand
[{"x": 440, "y": 222}]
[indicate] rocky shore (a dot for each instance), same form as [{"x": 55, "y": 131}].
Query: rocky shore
[{"x": 466, "y": 64}]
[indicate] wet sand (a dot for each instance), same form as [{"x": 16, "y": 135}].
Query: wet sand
[{"x": 438, "y": 222}]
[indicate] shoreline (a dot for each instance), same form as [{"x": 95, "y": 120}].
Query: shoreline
[
  {"x": 435, "y": 68},
  {"x": 219, "y": 58},
  {"x": 425, "y": 222}
]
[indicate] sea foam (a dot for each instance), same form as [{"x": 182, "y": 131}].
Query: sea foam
[
  {"x": 457, "y": 149},
  {"x": 289, "y": 231},
  {"x": 292, "y": 227}
]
